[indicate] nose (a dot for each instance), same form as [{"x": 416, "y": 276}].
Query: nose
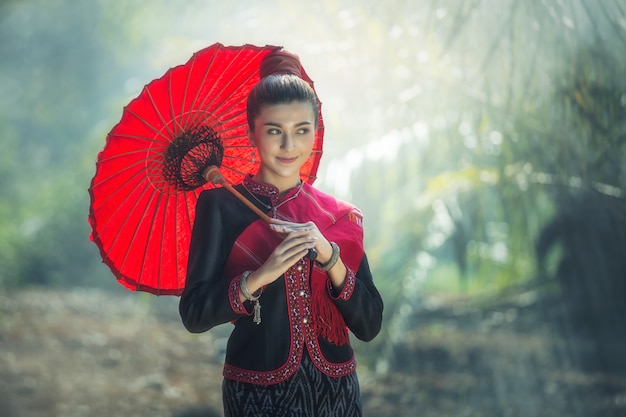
[{"x": 287, "y": 141}]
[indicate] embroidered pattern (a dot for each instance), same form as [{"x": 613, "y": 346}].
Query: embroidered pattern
[
  {"x": 262, "y": 189},
  {"x": 302, "y": 334}
]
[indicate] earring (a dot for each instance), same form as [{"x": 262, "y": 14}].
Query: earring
[{"x": 253, "y": 157}]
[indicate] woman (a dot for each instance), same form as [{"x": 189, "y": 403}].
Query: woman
[{"x": 289, "y": 353}]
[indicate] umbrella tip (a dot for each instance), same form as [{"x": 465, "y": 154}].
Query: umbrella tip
[{"x": 213, "y": 175}]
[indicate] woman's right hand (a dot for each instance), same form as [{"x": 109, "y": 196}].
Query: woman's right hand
[{"x": 293, "y": 247}]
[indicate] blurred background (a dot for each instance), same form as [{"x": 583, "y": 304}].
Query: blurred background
[{"x": 484, "y": 140}]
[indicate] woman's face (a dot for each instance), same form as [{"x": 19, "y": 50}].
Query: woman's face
[{"x": 284, "y": 136}]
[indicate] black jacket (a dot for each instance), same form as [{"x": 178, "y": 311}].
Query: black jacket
[{"x": 271, "y": 351}]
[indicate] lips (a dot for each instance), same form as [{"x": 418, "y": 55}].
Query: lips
[{"x": 287, "y": 160}]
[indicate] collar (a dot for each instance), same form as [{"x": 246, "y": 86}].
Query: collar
[{"x": 267, "y": 190}]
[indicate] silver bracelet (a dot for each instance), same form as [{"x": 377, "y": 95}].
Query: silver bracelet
[
  {"x": 254, "y": 299},
  {"x": 333, "y": 258}
]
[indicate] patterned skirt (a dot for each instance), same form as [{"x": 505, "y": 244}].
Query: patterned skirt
[{"x": 308, "y": 393}]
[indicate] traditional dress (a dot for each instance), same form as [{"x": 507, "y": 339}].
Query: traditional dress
[{"x": 298, "y": 360}]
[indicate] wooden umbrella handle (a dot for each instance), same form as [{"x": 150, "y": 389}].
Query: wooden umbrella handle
[{"x": 212, "y": 174}]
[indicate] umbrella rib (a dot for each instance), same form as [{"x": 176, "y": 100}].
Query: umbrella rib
[
  {"x": 125, "y": 154},
  {"x": 174, "y": 233},
  {"x": 238, "y": 158},
  {"x": 181, "y": 111},
  {"x": 148, "y": 125},
  {"x": 174, "y": 225},
  {"x": 122, "y": 226},
  {"x": 190, "y": 220},
  {"x": 118, "y": 208},
  {"x": 158, "y": 112},
  {"x": 237, "y": 126},
  {"x": 236, "y": 171},
  {"x": 134, "y": 235},
  {"x": 143, "y": 261},
  {"x": 171, "y": 100},
  {"x": 139, "y": 137},
  {"x": 235, "y": 138},
  {"x": 204, "y": 105},
  {"x": 185, "y": 89},
  {"x": 117, "y": 173},
  {"x": 237, "y": 147},
  {"x": 200, "y": 106},
  {"x": 115, "y": 191},
  {"x": 219, "y": 104},
  {"x": 191, "y": 120}
]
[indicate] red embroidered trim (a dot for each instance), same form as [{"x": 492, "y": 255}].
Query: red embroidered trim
[
  {"x": 263, "y": 378},
  {"x": 348, "y": 286},
  {"x": 233, "y": 296},
  {"x": 334, "y": 370}
]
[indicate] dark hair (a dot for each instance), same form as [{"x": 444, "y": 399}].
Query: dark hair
[{"x": 279, "y": 89}]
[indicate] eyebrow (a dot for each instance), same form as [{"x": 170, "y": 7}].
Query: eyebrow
[{"x": 304, "y": 123}]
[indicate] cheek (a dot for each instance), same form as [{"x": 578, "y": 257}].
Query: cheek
[
  {"x": 310, "y": 141},
  {"x": 265, "y": 145}
]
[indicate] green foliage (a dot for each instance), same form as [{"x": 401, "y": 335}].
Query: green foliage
[{"x": 537, "y": 113}]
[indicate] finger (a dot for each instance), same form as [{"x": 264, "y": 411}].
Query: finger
[
  {"x": 297, "y": 256},
  {"x": 280, "y": 228},
  {"x": 282, "y": 223},
  {"x": 291, "y": 226},
  {"x": 295, "y": 246},
  {"x": 294, "y": 240},
  {"x": 289, "y": 235}
]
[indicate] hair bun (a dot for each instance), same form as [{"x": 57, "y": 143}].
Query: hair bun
[{"x": 280, "y": 61}]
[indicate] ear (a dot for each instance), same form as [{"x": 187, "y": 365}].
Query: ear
[{"x": 251, "y": 138}]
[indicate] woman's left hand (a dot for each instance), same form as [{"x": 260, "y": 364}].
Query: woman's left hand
[{"x": 323, "y": 248}]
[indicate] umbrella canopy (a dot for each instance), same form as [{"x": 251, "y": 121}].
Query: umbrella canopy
[{"x": 150, "y": 171}]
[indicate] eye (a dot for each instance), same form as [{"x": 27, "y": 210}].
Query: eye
[
  {"x": 303, "y": 130},
  {"x": 273, "y": 131}
]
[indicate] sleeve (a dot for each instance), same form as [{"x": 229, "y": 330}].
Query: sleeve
[
  {"x": 360, "y": 302},
  {"x": 209, "y": 298}
]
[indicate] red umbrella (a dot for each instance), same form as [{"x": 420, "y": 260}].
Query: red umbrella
[{"x": 150, "y": 172}]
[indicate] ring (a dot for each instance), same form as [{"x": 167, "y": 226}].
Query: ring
[{"x": 312, "y": 254}]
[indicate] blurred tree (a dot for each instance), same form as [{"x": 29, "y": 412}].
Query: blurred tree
[
  {"x": 511, "y": 109},
  {"x": 588, "y": 232},
  {"x": 59, "y": 71}
]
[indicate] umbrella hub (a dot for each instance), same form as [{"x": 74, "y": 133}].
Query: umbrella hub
[{"x": 188, "y": 155}]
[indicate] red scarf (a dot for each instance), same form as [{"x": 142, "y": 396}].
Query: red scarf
[{"x": 338, "y": 221}]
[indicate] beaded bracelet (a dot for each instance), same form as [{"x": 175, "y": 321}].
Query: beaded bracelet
[
  {"x": 253, "y": 298},
  {"x": 333, "y": 258}
]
